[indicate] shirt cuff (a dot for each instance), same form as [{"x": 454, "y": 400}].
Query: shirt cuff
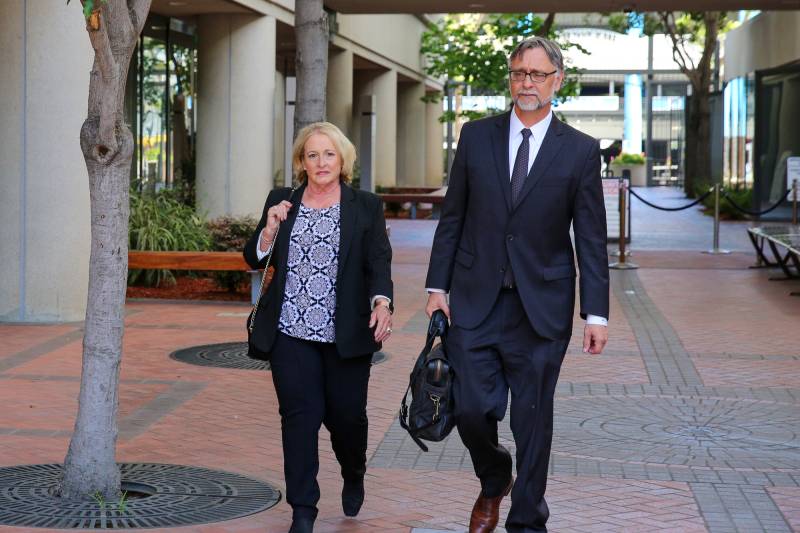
[
  {"x": 259, "y": 254},
  {"x": 439, "y": 291},
  {"x": 594, "y": 320},
  {"x": 375, "y": 298}
]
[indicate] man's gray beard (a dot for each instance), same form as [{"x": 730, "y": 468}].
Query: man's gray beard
[{"x": 531, "y": 107}]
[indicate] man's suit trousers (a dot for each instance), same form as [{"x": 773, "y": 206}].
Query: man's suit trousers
[
  {"x": 316, "y": 386},
  {"x": 504, "y": 353}
]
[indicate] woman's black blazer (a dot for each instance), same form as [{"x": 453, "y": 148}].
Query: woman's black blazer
[{"x": 365, "y": 258}]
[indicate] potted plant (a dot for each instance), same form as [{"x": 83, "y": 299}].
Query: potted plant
[{"x": 633, "y": 162}]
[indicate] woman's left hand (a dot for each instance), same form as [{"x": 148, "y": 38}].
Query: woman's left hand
[{"x": 381, "y": 320}]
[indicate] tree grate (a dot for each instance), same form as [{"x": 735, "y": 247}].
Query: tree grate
[
  {"x": 233, "y": 355},
  {"x": 168, "y": 496}
]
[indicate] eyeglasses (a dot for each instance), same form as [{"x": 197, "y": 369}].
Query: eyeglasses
[{"x": 537, "y": 77}]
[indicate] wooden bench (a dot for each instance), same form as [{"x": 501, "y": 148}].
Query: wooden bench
[
  {"x": 218, "y": 261},
  {"x": 784, "y": 243},
  {"x": 436, "y": 198}
]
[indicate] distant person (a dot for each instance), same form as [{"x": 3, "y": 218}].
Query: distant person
[
  {"x": 326, "y": 311},
  {"x": 502, "y": 250}
]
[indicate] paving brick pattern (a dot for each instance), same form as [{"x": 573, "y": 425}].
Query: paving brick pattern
[{"x": 688, "y": 422}]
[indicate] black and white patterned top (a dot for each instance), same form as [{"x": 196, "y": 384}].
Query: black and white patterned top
[{"x": 309, "y": 299}]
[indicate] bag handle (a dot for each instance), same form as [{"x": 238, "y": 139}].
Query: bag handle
[
  {"x": 252, "y": 323},
  {"x": 437, "y": 327}
]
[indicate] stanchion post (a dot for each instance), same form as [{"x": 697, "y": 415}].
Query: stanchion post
[
  {"x": 794, "y": 201},
  {"x": 622, "y": 264},
  {"x": 716, "y": 249},
  {"x": 622, "y": 208}
]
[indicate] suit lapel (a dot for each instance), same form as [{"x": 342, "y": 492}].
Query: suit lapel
[
  {"x": 547, "y": 152},
  {"x": 347, "y": 222},
  {"x": 500, "y": 150}
]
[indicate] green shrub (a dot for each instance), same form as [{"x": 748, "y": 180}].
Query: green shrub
[
  {"x": 230, "y": 234},
  {"x": 628, "y": 159},
  {"x": 161, "y": 222},
  {"x": 741, "y": 196}
]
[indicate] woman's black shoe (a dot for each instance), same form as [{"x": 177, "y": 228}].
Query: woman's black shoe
[
  {"x": 352, "y": 497},
  {"x": 302, "y": 524}
]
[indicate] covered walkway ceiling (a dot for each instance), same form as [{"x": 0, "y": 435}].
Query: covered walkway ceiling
[{"x": 547, "y": 6}]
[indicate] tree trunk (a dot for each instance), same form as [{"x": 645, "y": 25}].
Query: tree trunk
[
  {"x": 107, "y": 144},
  {"x": 311, "y": 62},
  {"x": 698, "y": 132},
  {"x": 698, "y": 143}
]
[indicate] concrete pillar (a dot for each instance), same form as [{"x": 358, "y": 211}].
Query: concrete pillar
[
  {"x": 411, "y": 128},
  {"x": 632, "y": 102},
  {"x": 45, "y": 59},
  {"x": 235, "y": 113},
  {"x": 339, "y": 104},
  {"x": 383, "y": 84},
  {"x": 434, "y": 145}
]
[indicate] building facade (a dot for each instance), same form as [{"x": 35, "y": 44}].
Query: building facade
[{"x": 212, "y": 78}]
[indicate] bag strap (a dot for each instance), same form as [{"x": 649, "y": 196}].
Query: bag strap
[{"x": 252, "y": 323}]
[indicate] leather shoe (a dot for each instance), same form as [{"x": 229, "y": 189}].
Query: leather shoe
[
  {"x": 302, "y": 524},
  {"x": 486, "y": 511},
  {"x": 352, "y": 497}
]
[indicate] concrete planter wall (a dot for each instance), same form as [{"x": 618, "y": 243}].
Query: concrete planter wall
[{"x": 638, "y": 173}]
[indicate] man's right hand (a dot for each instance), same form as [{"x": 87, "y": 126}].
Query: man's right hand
[{"x": 437, "y": 300}]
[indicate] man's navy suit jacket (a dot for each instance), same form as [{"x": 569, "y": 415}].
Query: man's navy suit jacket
[{"x": 480, "y": 231}]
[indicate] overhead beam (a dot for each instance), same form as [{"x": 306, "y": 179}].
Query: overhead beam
[{"x": 557, "y": 6}]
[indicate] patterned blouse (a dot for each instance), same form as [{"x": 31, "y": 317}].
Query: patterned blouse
[{"x": 309, "y": 299}]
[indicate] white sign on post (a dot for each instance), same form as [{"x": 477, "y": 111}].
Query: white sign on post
[{"x": 792, "y": 171}]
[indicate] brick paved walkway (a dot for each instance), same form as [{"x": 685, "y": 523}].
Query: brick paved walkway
[{"x": 688, "y": 422}]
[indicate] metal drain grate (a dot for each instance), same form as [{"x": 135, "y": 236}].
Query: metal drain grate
[
  {"x": 170, "y": 495},
  {"x": 232, "y": 355}
]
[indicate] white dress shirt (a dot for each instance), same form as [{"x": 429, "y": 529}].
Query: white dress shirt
[{"x": 515, "y": 138}]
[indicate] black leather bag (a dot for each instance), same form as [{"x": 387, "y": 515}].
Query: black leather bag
[
  {"x": 430, "y": 416},
  {"x": 253, "y": 351}
]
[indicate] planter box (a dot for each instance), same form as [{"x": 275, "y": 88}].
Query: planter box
[{"x": 638, "y": 173}]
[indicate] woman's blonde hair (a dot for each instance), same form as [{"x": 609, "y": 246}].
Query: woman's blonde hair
[{"x": 345, "y": 148}]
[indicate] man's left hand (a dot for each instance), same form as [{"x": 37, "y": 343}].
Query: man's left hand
[{"x": 595, "y": 338}]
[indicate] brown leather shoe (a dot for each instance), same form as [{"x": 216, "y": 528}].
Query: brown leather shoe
[{"x": 486, "y": 511}]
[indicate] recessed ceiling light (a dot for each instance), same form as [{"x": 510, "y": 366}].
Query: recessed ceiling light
[{"x": 175, "y": 3}]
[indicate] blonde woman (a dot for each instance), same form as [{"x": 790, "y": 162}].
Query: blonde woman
[{"x": 326, "y": 311}]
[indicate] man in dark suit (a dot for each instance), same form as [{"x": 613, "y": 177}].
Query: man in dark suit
[{"x": 503, "y": 252}]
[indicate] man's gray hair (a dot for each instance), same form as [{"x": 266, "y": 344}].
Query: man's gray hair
[{"x": 552, "y": 50}]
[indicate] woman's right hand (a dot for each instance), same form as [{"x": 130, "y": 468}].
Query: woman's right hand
[{"x": 275, "y": 215}]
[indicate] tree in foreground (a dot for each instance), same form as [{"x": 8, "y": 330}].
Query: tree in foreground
[
  {"x": 686, "y": 31},
  {"x": 473, "y": 50},
  {"x": 107, "y": 144}
]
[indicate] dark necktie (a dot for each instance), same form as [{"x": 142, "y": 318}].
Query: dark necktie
[
  {"x": 517, "y": 181},
  {"x": 520, "y": 166}
]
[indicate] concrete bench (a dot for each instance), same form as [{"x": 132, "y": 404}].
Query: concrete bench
[
  {"x": 218, "y": 261},
  {"x": 436, "y": 198}
]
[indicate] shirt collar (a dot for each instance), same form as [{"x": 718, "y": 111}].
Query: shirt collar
[{"x": 539, "y": 129}]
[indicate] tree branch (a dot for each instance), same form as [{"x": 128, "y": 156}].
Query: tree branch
[
  {"x": 118, "y": 21},
  {"x": 544, "y": 30},
  {"x": 678, "y": 52},
  {"x": 106, "y": 145},
  {"x": 139, "y": 10}
]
